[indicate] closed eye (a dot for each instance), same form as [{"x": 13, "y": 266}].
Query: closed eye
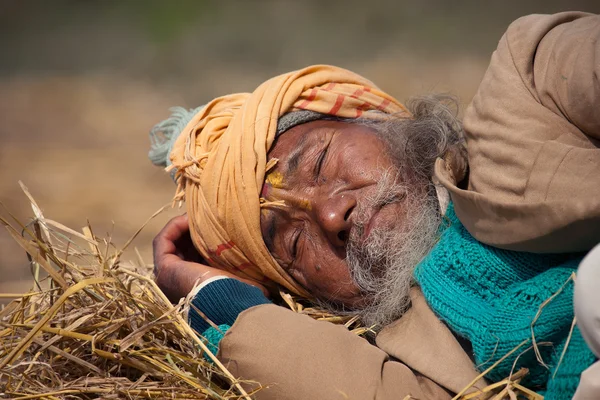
[
  {"x": 295, "y": 244},
  {"x": 321, "y": 161}
]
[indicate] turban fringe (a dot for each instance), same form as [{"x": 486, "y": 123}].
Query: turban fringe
[{"x": 221, "y": 158}]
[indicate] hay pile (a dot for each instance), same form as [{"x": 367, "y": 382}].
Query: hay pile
[{"x": 94, "y": 326}]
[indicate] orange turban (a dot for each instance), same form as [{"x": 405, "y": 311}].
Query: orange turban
[{"x": 221, "y": 161}]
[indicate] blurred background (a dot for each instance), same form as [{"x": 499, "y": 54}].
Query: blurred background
[{"x": 82, "y": 83}]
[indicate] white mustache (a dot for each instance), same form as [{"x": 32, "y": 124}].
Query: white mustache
[
  {"x": 387, "y": 191},
  {"x": 382, "y": 265}
]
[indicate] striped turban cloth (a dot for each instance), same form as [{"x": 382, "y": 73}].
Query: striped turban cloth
[{"x": 220, "y": 159}]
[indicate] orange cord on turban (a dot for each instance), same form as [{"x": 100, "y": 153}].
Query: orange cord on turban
[{"x": 221, "y": 161}]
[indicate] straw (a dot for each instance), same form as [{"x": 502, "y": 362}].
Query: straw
[
  {"x": 94, "y": 326},
  {"x": 99, "y": 327}
]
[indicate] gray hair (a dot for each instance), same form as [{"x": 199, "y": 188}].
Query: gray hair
[
  {"x": 382, "y": 266},
  {"x": 417, "y": 142}
]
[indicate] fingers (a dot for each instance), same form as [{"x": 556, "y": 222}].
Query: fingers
[
  {"x": 172, "y": 231},
  {"x": 164, "y": 242},
  {"x": 177, "y": 264}
]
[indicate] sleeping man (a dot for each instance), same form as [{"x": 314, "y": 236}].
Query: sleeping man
[{"x": 450, "y": 240}]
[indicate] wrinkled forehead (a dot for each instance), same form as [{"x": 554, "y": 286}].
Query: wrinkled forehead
[
  {"x": 294, "y": 118},
  {"x": 305, "y": 142}
]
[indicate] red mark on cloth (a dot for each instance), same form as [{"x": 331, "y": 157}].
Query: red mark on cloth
[
  {"x": 384, "y": 104},
  {"x": 360, "y": 109},
  {"x": 357, "y": 93},
  {"x": 338, "y": 104},
  {"x": 309, "y": 99},
  {"x": 365, "y": 105},
  {"x": 222, "y": 247},
  {"x": 244, "y": 266}
]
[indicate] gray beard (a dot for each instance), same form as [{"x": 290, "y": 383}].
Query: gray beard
[{"x": 382, "y": 265}]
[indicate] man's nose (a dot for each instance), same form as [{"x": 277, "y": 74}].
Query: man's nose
[{"x": 335, "y": 218}]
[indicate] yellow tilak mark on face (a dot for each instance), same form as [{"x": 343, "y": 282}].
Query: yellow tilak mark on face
[
  {"x": 305, "y": 204},
  {"x": 275, "y": 179}
]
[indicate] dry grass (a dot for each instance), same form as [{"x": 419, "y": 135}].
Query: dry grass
[
  {"x": 98, "y": 327},
  {"x": 94, "y": 326},
  {"x": 507, "y": 389}
]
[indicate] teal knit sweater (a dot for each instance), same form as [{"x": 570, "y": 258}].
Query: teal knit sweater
[{"x": 491, "y": 296}]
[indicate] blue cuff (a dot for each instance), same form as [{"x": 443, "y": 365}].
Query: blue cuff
[
  {"x": 221, "y": 301},
  {"x": 213, "y": 337}
]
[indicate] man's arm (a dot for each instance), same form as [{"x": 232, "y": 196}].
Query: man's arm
[
  {"x": 178, "y": 267},
  {"x": 297, "y": 357},
  {"x": 294, "y": 355},
  {"x": 566, "y": 72},
  {"x": 541, "y": 87},
  {"x": 532, "y": 135}
]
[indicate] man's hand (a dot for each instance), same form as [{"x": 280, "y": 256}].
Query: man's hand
[{"x": 178, "y": 265}]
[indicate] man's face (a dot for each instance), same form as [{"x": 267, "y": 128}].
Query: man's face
[{"x": 328, "y": 175}]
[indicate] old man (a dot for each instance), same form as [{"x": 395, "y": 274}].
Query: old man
[{"x": 321, "y": 183}]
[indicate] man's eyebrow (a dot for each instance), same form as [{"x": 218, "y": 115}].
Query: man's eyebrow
[{"x": 297, "y": 153}]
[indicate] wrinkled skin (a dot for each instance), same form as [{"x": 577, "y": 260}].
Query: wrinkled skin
[{"x": 325, "y": 171}]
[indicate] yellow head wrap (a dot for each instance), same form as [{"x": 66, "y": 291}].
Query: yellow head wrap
[{"x": 221, "y": 161}]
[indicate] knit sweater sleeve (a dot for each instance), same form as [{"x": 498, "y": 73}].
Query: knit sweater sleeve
[{"x": 221, "y": 301}]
